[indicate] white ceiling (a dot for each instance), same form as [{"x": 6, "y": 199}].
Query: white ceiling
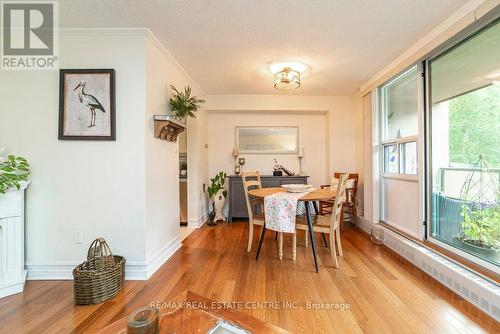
[{"x": 226, "y": 45}]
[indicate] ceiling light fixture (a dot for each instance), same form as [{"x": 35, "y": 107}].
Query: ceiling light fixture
[
  {"x": 287, "y": 75},
  {"x": 287, "y": 79}
]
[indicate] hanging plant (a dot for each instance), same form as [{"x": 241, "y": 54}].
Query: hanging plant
[{"x": 183, "y": 105}]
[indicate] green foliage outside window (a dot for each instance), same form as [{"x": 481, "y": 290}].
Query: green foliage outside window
[{"x": 474, "y": 121}]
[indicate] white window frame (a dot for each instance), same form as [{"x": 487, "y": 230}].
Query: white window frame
[
  {"x": 397, "y": 141},
  {"x": 378, "y": 154}
]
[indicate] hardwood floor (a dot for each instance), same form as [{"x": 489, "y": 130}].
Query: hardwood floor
[{"x": 385, "y": 293}]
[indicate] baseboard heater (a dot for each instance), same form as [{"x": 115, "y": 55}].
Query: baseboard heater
[{"x": 478, "y": 291}]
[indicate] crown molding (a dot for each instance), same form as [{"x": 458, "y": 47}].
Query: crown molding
[
  {"x": 458, "y": 20},
  {"x": 156, "y": 42},
  {"x": 138, "y": 31},
  {"x": 81, "y": 31}
]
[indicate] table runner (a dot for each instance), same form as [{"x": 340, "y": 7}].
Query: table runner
[{"x": 280, "y": 210}]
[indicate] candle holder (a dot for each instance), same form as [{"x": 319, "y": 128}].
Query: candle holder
[
  {"x": 237, "y": 168},
  {"x": 143, "y": 321},
  {"x": 301, "y": 156}
]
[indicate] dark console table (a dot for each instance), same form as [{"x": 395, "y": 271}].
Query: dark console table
[{"x": 237, "y": 203}]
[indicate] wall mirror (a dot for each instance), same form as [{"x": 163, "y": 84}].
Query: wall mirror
[{"x": 267, "y": 139}]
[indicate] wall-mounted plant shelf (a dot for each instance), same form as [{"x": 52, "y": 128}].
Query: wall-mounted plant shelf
[{"x": 167, "y": 128}]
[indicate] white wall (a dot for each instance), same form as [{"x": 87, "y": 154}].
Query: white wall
[
  {"x": 367, "y": 184},
  {"x": 312, "y": 136},
  {"x": 162, "y": 158},
  {"x": 96, "y": 187},
  {"x": 125, "y": 190},
  {"x": 343, "y": 147},
  {"x": 162, "y": 187},
  {"x": 197, "y": 147}
]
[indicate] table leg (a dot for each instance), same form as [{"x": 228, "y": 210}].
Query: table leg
[
  {"x": 315, "y": 206},
  {"x": 261, "y": 240},
  {"x": 311, "y": 234}
]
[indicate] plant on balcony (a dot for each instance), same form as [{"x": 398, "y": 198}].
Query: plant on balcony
[
  {"x": 13, "y": 171},
  {"x": 480, "y": 194},
  {"x": 183, "y": 105},
  {"x": 481, "y": 227}
]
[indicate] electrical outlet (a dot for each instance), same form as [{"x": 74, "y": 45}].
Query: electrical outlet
[{"x": 77, "y": 237}]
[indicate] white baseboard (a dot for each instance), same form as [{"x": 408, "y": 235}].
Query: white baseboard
[
  {"x": 197, "y": 222},
  {"x": 12, "y": 289},
  {"x": 161, "y": 257},
  {"x": 473, "y": 288},
  {"x": 134, "y": 270}
]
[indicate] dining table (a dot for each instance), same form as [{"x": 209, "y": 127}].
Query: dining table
[{"x": 308, "y": 197}]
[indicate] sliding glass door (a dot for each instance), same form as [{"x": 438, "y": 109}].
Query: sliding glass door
[{"x": 464, "y": 147}]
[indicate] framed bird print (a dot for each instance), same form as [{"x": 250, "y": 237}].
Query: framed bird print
[{"x": 87, "y": 104}]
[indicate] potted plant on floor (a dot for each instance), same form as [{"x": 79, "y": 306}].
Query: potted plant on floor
[
  {"x": 217, "y": 195},
  {"x": 183, "y": 105}
]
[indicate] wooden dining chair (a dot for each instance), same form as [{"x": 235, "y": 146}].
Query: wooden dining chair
[
  {"x": 252, "y": 180},
  {"x": 257, "y": 219},
  {"x": 330, "y": 224},
  {"x": 350, "y": 205}
]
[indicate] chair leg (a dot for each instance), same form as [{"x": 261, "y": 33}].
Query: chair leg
[
  {"x": 324, "y": 239},
  {"x": 280, "y": 242},
  {"x": 250, "y": 237},
  {"x": 341, "y": 222},
  {"x": 354, "y": 215},
  {"x": 262, "y": 235},
  {"x": 333, "y": 250},
  {"x": 339, "y": 244},
  {"x": 306, "y": 238},
  {"x": 294, "y": 246}
]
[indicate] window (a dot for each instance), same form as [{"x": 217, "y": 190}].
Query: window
[
  {"x": 408, "y": 154},
  {"x": 399, "y": 202},
  {"x": 399, "y": 106},
  {"x": 391, "y": 158},
  {"x": 464, "y": 146}
]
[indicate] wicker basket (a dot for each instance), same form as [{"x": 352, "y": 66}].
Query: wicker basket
[{"x": 99, "y": 278}]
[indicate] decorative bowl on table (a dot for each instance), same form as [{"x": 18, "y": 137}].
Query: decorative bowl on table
[{"x": 296, "y": 188}]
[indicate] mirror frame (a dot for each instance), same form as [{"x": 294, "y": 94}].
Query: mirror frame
[{"x": 295, "y": 151}]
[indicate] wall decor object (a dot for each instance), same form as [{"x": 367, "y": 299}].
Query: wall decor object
[
  {"x": 267, "y": 139},
  {"x": 167, "y": 127},
  {"x": 87, "y": 104}
]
